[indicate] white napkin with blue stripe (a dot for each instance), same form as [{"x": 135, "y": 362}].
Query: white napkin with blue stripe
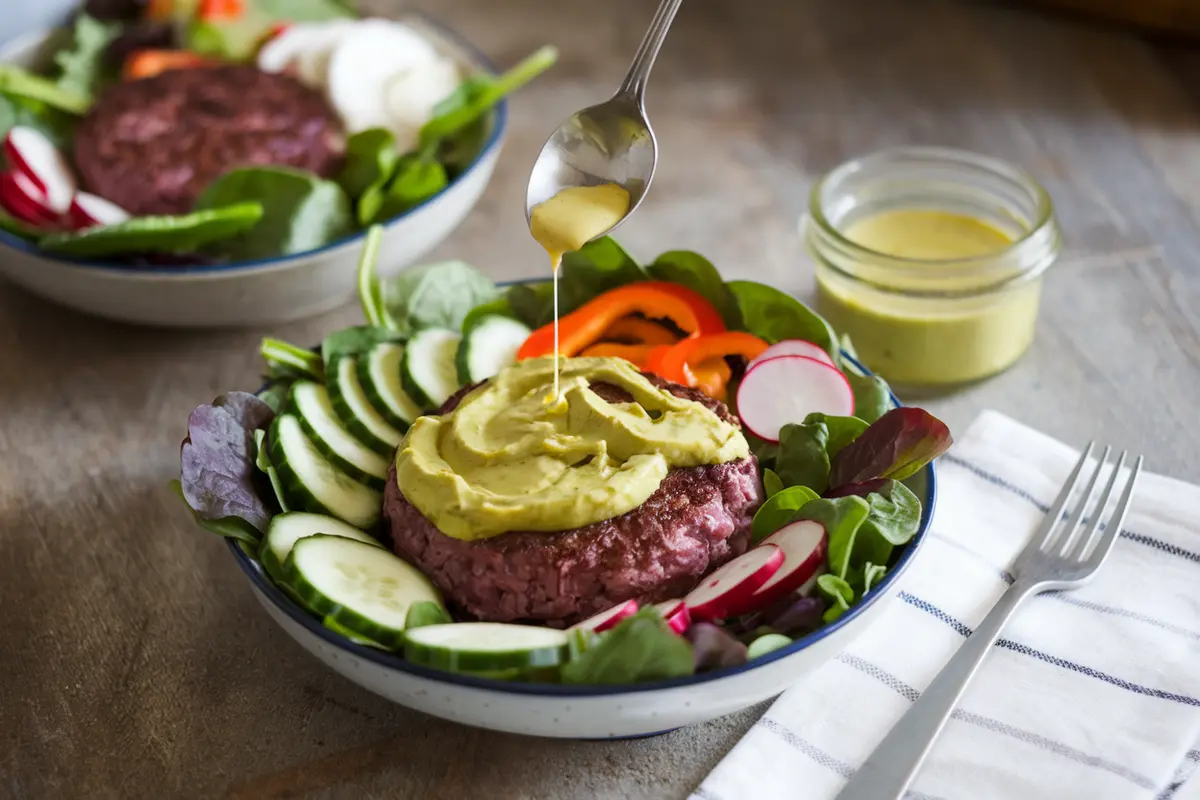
[{"x": 1091, "y": 694}]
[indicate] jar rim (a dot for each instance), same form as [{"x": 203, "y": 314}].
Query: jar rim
[{"x": 1037, "y": 244}]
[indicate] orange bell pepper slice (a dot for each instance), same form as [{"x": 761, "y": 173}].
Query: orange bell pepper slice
[
  {"x": 712, "y": 377},
  {"x": 587, "y": 324},
  {"x": 148, "y": 63},
  {"x": 221, "y": 10},
  {"x": 635, "y": 330},
  {"x": 680, "y": 361},
  {"x": 710, "y": 319},
  {"x": 633, "y": 353}
]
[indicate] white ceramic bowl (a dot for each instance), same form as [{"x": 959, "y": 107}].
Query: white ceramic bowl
[
  {"x": 587, "y": 712},
  {"x": 259, "y": 292}
]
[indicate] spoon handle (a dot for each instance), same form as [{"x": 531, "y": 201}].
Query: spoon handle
[{"x": 634, "y": 84}]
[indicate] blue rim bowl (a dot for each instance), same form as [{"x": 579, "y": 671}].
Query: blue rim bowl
[
  {"x": 263, "y": 584},
  {"x": 499, "y": 127}
]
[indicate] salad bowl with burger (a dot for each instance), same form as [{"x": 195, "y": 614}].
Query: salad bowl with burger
[{"x": 701, "y": 499}]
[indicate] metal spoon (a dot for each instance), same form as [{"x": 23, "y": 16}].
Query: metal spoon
[{"x": 607, "y": 143}]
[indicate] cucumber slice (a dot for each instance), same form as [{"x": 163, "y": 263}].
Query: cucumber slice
[
  {"x": 287, "y": 529},
  {"x": 310, "y": 402},
  {"x": 486, "y": 646},
  {"x": 428, "y": 372},
  {"x": 379, "y": 374},
  {"x": 355, "y": 411},
  {"x": 341, "y": 630},
  {"x": 310, "y": 483},
  {"x": 488, "y": 347},
  {"x": 359, "y": 586}
]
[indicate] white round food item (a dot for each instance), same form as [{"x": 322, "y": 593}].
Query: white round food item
[
  {"x": 312, "y": 64},
  {"x": 298, "y": 41},
  {"x": 412, "y": 95},
  {"x": 363, "y": 64}
]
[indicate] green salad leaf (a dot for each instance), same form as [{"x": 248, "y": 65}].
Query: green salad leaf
[
  {"x": 371, "y": 157},
  {"x": 778, "y": 510},
  {"x": 532, "y": 303},
  {"x": 415, "y": 179},
  {"x": 18, "y": 228},
  {"x": 806, "y": 450},
  {"x": 299, "y": 211},
  {"x": 496, "y": 308},
  {"x": 698, "y": 274},
  {"x": 772, "y": 483},
  {"x": 872, "y": 397},
  {"x": 81, "y": 67},
  {"x": 639, "y": 648},
  {"x": 774, "y": 316},
  {"x": 872, "y": 575},
  {"x": 303, "y": 10},
  {"x": 435, "y": 296},
  {"x": 597, "y": 267},
  {"x": 17, "y": 83},
  {"x": 289, "y": 361},
  {"x": 837, "y": 594},
  {"x": 897, "y": 445},
  {"x": 426, "y": 612},
  {"x": 842, "y": 518},
  {"x": 354, "y": 341},
  {"x": 165, "y": 234}
]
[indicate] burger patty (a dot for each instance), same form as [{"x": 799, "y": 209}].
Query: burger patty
[
  {"x": 698, "y": 519},
  {"x": 153, "y": 145}
]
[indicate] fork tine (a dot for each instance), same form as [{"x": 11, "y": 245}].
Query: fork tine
[
  {"x": 1044, "y": 533},
  {"x": 1081, "y": 547},
  {"x": 1073, "y": 524},
  {"x": 1113, "y": 529}
]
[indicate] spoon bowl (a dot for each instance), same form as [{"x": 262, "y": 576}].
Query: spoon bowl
[{"x": 607, "y": 143}]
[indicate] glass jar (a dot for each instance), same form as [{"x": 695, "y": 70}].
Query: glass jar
[{"x": 922, "y": 321}]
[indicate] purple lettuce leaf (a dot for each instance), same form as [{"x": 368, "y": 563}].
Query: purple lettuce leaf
[
  {"x": 895, "y": 446},
  {"x": 217, "y": 470},
  {"x": 713, "y": 648}
]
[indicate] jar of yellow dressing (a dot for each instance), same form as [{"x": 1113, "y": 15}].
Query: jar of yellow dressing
[{"x": 932, "y": 260}]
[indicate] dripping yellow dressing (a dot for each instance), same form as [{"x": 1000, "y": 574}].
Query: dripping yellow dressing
[{"x": 568, "y": 221}]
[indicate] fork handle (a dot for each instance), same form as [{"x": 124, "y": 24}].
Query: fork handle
[{"x": 889, "y": 770}]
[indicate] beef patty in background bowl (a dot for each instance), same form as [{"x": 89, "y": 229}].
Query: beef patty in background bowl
[{"x": 269, "y": 290}]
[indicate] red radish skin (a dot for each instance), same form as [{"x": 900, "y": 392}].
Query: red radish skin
[
  {"x": 805, "y": 545},
  {"x": 794, "y": 347},
  {"x": 21, "y": 198},
  {"x": 786, "y": 389},
  {"x": 729, "y": 587},
  {"x": 676, "y": 613},
  {"x": 31, "y": 153},
  {"x": 607, "y": 619},
  {"x": 89, "y": 210}
]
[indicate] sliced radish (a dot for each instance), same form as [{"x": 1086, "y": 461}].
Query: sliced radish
[
  {"x": 727, "y": 589},
  {"x": 676, "y": 613},
  {"x": 88, "y": 210},
  {"x": 794, "y": 347},
  {"x": 804, "y": 545},
  {"x": 373, "y": 53},
  {"x": 21, "y": 198},
  {"x": 32, "y": 154},
  {"x": 607, "y": 619},
  {"x": 787, "y": 389}
]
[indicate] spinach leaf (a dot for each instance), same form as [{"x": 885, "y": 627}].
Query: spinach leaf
[
  {"x": 779, "y": 510},
  {"x": 234, "y": 528},
  {"x": 262, "y": 460},
  {"x": 766, "y": 452},
  {"x": 496, "y": 308},
  {"x": 837, "y": 594},
  {"x": 897, "y": 445},
  {"x": 57, "y": 126},
  {"x": 872, "y": 574},
  {"x": 165, "y": 234},
  {"x": 640, "y": 648},
  {"x": 370, "y": 293},
  {"x": 304, "y": 10},
  {"x": 459, "y": 151},
  {"x": 289, "y": 361},
  {"x": 217, "y": 462},
  {"x": 803, "y": 458},
  {"x": 371, "y": 157},
  {"x": 598, "y": 266},
  {"x": 81, "y": 66},
  {"x": 300, "y": 211},
  {"x": 698, "y": 274},
  {"x": 353, "y": 342},
  {"x": 274, "y": 396},
  {"x": 425, "y": 612},
  {"x": 842, "y": 430},
  {"x": 532, "y": 303},
  {"x": 872, "y": 398},
  {"x": 18, "y": 228},
  {"x": 842, "y": 518},
  {"x": 772, "y": 315},
  {"x": 435, "y": 296},
  {"x": 772, "y": 483},
  {"x": 19, "y": 83},
  {"x": 894, "y": 520},
  {"x": 465, "y": 106},
  {"x": 416, "y": 179}
]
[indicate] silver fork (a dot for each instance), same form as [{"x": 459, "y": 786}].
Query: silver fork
[{"x": 1057, "y": 557}]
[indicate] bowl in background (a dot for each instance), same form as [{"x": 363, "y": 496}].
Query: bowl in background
[{"x": 272, "y": 290}]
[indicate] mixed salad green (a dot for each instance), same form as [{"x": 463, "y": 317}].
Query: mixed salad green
[
  {"x": 250, "y": 211},
  {"x": 294, "y": 475}
]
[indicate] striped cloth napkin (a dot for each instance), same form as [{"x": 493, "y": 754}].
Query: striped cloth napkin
[{"x": 1091, "y": 694}]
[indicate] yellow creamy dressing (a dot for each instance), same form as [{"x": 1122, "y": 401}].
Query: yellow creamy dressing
[
  {"x": 568, "y": 221},
  {"x": 916, "y": 340},
  {"x": 505, "y": 460}
]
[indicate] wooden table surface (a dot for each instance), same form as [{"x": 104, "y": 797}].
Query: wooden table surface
[{"x": 136, "y": 662}]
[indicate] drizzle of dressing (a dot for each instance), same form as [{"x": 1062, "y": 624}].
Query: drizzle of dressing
[{"x": 564, "y": 224}]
